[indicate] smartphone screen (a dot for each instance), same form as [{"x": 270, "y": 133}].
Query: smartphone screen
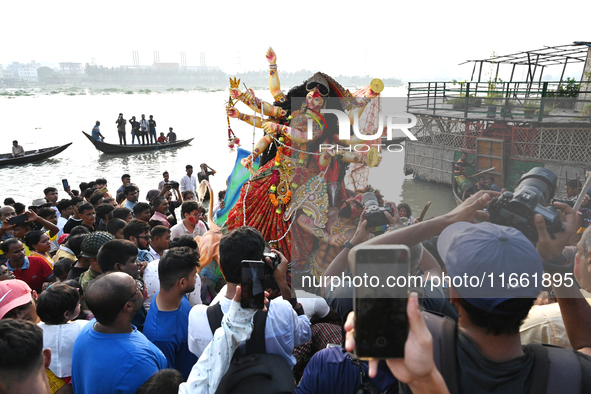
[
  {"x": 65, "y": 184},
  {"x": 18, "y": 219},
  {"x": 253, "y": 289},
  {"x": 381, "y": 323}
]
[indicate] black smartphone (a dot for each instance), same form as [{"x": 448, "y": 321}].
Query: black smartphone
[
  {"x": 18, "y": 219},
  {"x": 65, "y": 184},
  {"x": 379, "y": 300},
  {"x": 252, "y": 283}
]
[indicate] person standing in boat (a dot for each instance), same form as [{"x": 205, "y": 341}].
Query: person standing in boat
[
  {"x": 460, "y": 166},
  {"x": 121, "y": 129},
  {"x": 18, "y": 150},
  {"x": 171, "y": 135},
  {"x": 135, "y": 131},
  {"x": 96, "y": 132},
  {"x": 144, "y": 129},
  {"x": 152, "y": 128}
]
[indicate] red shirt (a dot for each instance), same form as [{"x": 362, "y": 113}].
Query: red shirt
[
  {"x": 34, "y": 272},
  {"x": 162, "y": 139}
]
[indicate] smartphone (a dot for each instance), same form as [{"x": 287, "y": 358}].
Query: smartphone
[
  {"x": 65, "y": 184},
  {"x": 104, "y": 190},
  {"x": 18, "y": 219},
  {"x": 252, "y": 284},
  {"x": 381, "y": 323}
]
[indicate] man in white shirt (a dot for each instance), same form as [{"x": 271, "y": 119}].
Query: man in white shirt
[
  {"x": 144, "y": 129},
  {"x": 65, "y": 209},
  {"x": 17, "y": 150},
  {"x": 152, "y": 278},
  {"x": 191, "y": 223},
  {"x": 285, "y": 327},
  {"x": 189, "y": 181}
]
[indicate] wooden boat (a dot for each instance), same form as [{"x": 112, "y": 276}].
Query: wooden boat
[
  {"x": 32, "y": 155},
  {"x": 116, "y": 148}
]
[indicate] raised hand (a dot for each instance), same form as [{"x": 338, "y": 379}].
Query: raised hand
[
  {"x": 271, "y": 56},
  {"x": 232, "y": 112},
  {"x": 249, "y": 95},
  {"x": 246, "y": 162},
  {"x": 271, "y": 128},
  {"x": 235, "y": 93}
]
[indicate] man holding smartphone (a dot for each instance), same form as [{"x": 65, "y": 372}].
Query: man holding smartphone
[
  {"x": 121, "y": 129},
  {"x": 489, "y": 355},
  {"x": 284, "y": 329}
]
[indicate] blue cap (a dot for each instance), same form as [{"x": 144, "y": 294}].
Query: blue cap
[{"x": 486, "y": 256}]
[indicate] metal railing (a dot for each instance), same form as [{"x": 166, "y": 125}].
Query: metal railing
[{"x": 520, "y": 101}]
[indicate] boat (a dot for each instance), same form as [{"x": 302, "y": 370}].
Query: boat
[
  {"x": 32, "y": 155},
  {"x": 116, "y": 148}
]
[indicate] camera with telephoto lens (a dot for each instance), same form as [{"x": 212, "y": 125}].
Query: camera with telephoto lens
[
  {"x": 274, "y": 259},
  {"x": 374, "y": 214},
  {"x": 173, "y": 184},
  {"x": 533, "y": 192}
]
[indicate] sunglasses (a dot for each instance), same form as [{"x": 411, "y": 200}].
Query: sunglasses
[{"x": 321, "y": 88}]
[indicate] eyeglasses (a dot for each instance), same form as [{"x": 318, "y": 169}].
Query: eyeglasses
[
  {"x": 140, "y": 288},
  {"x": 145, "y": 237}
]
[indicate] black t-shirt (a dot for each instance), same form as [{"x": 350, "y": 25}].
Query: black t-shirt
[
  {"x": 152, "y": 125},
  {"x": 70, "y": 224},
  {"x": 135, "y": 125},
  {"x": 76, "y": 272},
  {"x": 478, "y": 374}
]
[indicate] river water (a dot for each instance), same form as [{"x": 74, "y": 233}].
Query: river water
[{"x": 42, "y": 120}]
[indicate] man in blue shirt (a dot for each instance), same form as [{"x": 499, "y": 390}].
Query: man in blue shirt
[
  {"x": 110, "y": 355},
  {"x": 96, "y": 133},
  {"x": 167, "y": 323}
]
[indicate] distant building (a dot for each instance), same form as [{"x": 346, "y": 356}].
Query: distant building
[
  {"x": 166, "y": 66},
  {"x": 27, "y": 74},
  {"x": 72, "y": 69},
  {"x": 21, "y": 72}
]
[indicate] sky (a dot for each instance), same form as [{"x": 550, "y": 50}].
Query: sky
[{"x": 411, "y": 40}]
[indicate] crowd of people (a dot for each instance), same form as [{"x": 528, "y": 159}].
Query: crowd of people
[
  {"x": 106, "y": 293},
  {"x": 144, "y": 130}
]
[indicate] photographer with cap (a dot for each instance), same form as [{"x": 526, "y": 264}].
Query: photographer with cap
[{"x": 483, "y": 353}]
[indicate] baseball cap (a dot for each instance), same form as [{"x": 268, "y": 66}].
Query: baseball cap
[
  {"x": 62, "y": 238},
  {"x": 482, "y": 258},
  {"x": 93, "y": 242},
  {"x": 13, "y": 293}
]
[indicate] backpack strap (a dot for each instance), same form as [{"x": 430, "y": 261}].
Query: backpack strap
[
  {"x": 555, "y": 370},
  {"x": 444, "y": 331},
  {"x": 540, "y": 370},
  {"x": 215, "y": 316},
  {"x": 449, "y": 370},
  {"x": 256, "y": 343}
]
